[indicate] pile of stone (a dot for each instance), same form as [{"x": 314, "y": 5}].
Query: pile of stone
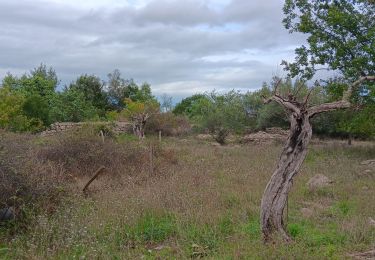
[
  {"x": 277, "y": 131},
  {"x": 115, "y": 127},
  {"x": 271, "y": 134},
  {"x": 122, "y": 127},
  {"x": 369, "y": 167},
  {"x": 60, "y": 127}
]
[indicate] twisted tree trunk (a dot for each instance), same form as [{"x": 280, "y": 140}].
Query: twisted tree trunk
[
  {"x": 276, "y": 193},
  {"x": 294, "y": 152}
]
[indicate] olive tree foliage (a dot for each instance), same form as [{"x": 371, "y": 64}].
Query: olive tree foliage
[
  {"x": 222, "y": 114},
  {"x": 120, "y": 89},
  {"x": 139, "y": 113},
  {"x": 273, "y": 115}
]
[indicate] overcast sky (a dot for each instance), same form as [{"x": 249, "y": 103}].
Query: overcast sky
[{"x": 180, "y": 47}]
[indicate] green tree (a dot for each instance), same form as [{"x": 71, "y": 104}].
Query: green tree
[
  {"x": 190, "y": 106},
  {"x": 38, "y": 88},
  {"x": 11, "y": 110},
  {"x": 273, "y": 115},
  {"x": 334, "y": 27},
  {"x": 72, "y": 106},
  {"x": 223, "y": 114},
  {"x": 120, "y": 89},
  {"x": 139, "y": 113},
  {"x": 340, "y": 37},
  {"x": 116, "y": 85},
  {"x": 93, "y": 92},
  {"x": 41, "y": 81},
  {"x": 142, "y": 93},
  {"x": 36, "y": 107}
]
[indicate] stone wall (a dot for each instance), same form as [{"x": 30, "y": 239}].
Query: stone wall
[
  {"x": 116, "y": 127},
  {"x": 271, "y": 134}
]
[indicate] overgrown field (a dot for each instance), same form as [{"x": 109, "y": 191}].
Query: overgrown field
[{"x": 198, "y": 200}]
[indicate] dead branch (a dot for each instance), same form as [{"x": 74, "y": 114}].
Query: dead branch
[
  {"x": 97, "y": 173},
  {"x": 300, "y": 85},
  {"x": 276, "y": 87},
  {"x": 307, "y": 97}
]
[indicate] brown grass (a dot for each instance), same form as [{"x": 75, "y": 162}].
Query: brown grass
[{"x": 201, "y": 200}]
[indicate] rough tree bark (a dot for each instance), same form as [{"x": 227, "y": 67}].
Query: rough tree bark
[{"x": 293, "y": 154}]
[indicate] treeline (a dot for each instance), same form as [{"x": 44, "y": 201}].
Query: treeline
[
  {"x": 222, "y": 114},
  {"x": 31, "y": 103}
]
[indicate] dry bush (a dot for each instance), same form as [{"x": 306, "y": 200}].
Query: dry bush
[
  {"x": 34, "y": 171},
  {"x": 26, "y": 183},
  {"x": 169, "y": 124},
  {"x": 80, "y": 153}
]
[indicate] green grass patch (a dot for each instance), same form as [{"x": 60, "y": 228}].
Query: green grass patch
[
  {"x": 207, "y": 236},
  {"x": 252, "y": 228},
  {"x": 343, "y": 208},
  {"x": 121, "y": 138},
  {"x": 154, "y": 227},
  {"x": 226, "y": 225}
]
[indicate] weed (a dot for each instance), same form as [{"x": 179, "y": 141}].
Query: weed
[{"x": 153, "y": 227}]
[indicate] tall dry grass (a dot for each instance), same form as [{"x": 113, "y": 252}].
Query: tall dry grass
[{"x": 198, "y": 201}]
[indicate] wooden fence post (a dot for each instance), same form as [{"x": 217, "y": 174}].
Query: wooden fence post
[{"x": 151, "y": 159}]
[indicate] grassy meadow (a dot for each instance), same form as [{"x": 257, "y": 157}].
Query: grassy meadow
[{"x": 196, "y": 199}]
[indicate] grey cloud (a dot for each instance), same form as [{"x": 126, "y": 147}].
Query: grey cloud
[
  {"x": 187, "y": 12},
  {"x": 165, "y": 42}
]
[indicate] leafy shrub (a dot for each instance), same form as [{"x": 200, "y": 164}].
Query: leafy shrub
[
  {"x": 105, "y": 129},
  {"x": 219, "y": 134}
]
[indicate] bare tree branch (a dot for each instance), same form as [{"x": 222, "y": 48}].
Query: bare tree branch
[
  {"x": 276, "y": 87},
  {"x": 307, "y": 97},
  {"x": 343, "y": 103},
  {"x": 289, "y": 105}
]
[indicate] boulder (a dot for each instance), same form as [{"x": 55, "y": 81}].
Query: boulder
[
  {"x": 368, "y": 162},
  {"x": 371, "y": 221},
  {"x": 318, "y": 181}
]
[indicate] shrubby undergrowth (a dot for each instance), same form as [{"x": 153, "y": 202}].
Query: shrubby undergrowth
[{"x": 36, "y": 173}]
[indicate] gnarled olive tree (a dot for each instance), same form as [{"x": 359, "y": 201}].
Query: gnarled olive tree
[{"x": 293, "y": 154}]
